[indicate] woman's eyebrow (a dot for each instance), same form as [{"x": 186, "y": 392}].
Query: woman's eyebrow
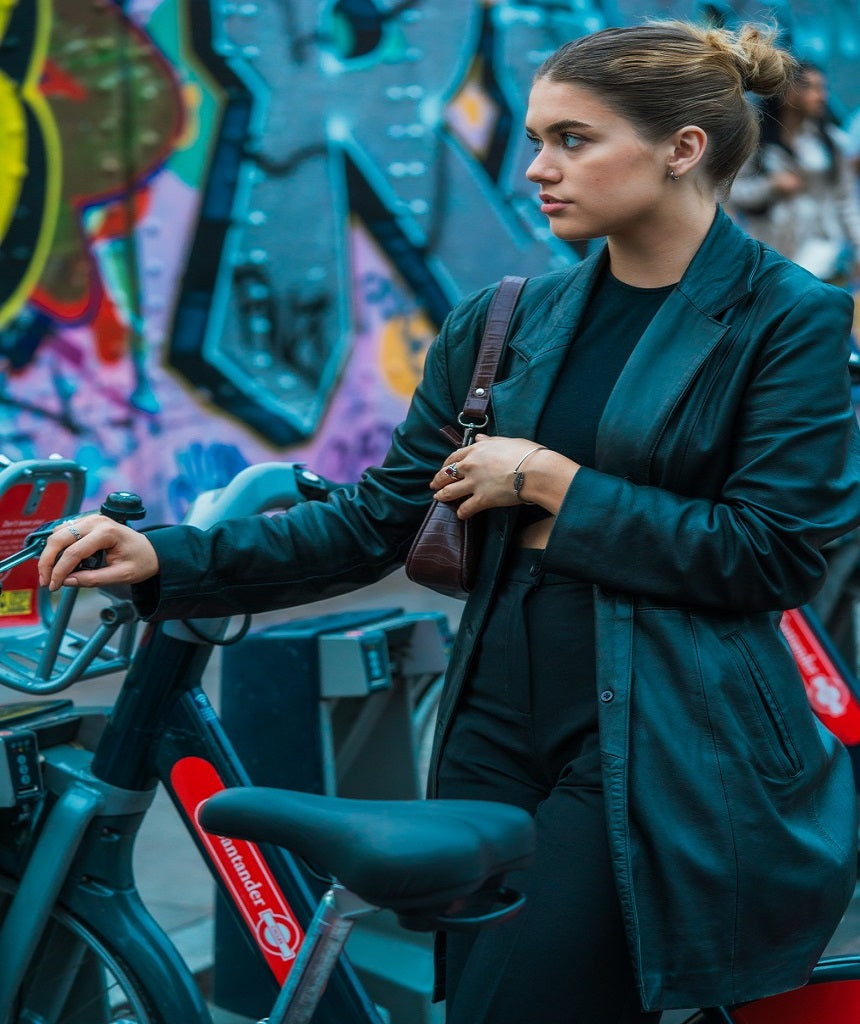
[{"x": 565, "y": 125}]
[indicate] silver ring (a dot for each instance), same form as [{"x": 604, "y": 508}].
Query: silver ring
[
  {"x": 452, "y": 471},
  {"x": 73, "y": 531}
]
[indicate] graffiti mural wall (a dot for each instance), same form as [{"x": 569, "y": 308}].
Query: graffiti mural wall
[{"x": 229, "y": 230}]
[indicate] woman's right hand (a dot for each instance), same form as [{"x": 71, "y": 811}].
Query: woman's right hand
[
  {"x": 787, "y": 183},
  {"x": 129, "y": 557}
]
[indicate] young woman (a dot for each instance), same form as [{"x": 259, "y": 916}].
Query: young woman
[
  {"x": 675, "y": 412},
  {"x": 798, "y": 192}
]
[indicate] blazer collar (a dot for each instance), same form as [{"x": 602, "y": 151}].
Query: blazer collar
[{"x": 721, "y": 272}]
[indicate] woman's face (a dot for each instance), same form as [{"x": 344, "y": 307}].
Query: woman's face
[
  {"x": 597, "y": 176},
  {"x": 808, "y": 95}
]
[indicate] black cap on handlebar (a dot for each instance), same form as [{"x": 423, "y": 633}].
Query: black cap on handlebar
[{"x": 122, "y": 506}]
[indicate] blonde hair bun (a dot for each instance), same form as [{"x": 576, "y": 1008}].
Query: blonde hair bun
[{"x": 762, "y": 67}]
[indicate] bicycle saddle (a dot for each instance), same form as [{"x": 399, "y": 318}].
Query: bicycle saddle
[{"x": 410, "y": 856}]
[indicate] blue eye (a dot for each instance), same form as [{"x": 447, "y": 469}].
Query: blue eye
[
  {"x": 570, "y": 141},
  {"x": 536, "y": 144}
]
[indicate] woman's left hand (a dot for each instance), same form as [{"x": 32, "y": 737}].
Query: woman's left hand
[{"x": 484, "y": 473}]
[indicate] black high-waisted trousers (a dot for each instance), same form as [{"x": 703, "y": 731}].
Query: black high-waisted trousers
[{"x": 526, "y": 734}]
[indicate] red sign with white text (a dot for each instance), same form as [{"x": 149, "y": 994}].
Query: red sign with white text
[
  {"x": 828, "y": 693},
  {"x": 240, "y": 863},
  {"x": 18, "y": 519}
]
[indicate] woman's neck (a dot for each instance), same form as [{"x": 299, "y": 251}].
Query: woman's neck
[{"x": 661, "y": 255}]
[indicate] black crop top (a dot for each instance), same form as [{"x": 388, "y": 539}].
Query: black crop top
[{"x": 615, "y": 318}]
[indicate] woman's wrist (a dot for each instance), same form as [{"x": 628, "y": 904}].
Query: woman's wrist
[
  {"x": 520, "y": 475},
  {"x": 543, "y": 477}
]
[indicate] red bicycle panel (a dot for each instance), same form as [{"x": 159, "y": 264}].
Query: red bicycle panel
[
  {"x": 831, "y": 1002},
  {"x": 18, "y": 605},
  {"x": 241, "y": 865}
]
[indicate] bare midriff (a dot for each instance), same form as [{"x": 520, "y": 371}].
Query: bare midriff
[{"x": 536, "y": 535}]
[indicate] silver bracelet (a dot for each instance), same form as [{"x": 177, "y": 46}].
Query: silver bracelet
[{"x": 520, "y": 477}]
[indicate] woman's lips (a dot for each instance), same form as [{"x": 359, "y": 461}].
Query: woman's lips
[{"x": 551, "y": 204}]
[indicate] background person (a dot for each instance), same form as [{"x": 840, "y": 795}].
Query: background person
[
  {"x": 798, "y": 192},
  {"x": 677, "y": 406}
]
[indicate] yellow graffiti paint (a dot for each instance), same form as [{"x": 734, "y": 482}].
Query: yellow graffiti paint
[
  {"x": 403, "y": 346},
  {"x": 192, "y": 101},
  {"x": 13, "y": 147},
  {"x": 472, "y": 114},
  {"x": 6, "y": 7},
  {"x": 15, "y": 99}
]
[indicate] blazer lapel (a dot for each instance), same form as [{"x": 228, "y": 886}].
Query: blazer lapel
[
  {"x": 663, "y": 363},
  {"x": 672, "y": 350},
  {"x": 538, "y": 350}
]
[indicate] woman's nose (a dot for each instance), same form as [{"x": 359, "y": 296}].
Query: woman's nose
[{"x": 540, "y": 169}]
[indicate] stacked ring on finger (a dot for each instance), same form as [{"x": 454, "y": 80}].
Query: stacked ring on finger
[
  {"x": 452, "y": 471},
  {"x": 73, "y": 531}
]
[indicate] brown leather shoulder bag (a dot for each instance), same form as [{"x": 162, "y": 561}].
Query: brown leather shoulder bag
[{"x": 444, "y": 553}]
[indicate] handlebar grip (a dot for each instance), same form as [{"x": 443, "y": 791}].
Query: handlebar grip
[{"x": 95, "y": 561}]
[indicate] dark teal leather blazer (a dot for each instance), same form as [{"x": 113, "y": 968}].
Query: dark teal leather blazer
[{"x": 726, "y": 457}]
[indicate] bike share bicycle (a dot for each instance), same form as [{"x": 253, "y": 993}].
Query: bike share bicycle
[{"x": 77, "y": 943}]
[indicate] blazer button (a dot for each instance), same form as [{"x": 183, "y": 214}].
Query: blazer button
[{"x": 607, "y": 696}]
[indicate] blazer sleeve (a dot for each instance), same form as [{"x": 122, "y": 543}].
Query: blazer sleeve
[
  {"x": 322, "y": 549},
  {"x": 793, "y": 485}
]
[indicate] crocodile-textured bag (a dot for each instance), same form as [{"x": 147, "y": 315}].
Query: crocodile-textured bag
[{"x": 444, "y": 553}]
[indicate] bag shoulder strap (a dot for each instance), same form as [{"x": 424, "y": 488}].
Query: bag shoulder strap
[{"x": 474, "y": 415}]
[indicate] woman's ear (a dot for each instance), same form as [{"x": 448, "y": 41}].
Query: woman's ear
[{"x": 688, "y": 147}]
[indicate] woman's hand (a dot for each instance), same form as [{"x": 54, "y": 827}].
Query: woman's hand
[
  {"x": 787, "y": 183},
  {"x": 129, "y": 557},
  {"x": 485, "y": 473}
]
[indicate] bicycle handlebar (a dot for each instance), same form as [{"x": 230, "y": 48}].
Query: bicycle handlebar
[
  {"x": 50, "y": 657},
  {"x": 120, "y": 506}
]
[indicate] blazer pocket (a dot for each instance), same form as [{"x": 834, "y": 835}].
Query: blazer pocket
[{"x": 772, "y": 727}]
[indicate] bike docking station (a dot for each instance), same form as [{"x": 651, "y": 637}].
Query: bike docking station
[{"x": 341, "y": 705}]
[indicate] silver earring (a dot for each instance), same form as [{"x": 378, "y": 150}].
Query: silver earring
[{"x": 672, "y": 175}]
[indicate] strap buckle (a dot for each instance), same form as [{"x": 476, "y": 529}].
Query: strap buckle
[{"x": 470, "y": 428}]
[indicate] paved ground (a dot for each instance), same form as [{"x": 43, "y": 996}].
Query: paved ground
[{"x": 170, "y": 876}]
